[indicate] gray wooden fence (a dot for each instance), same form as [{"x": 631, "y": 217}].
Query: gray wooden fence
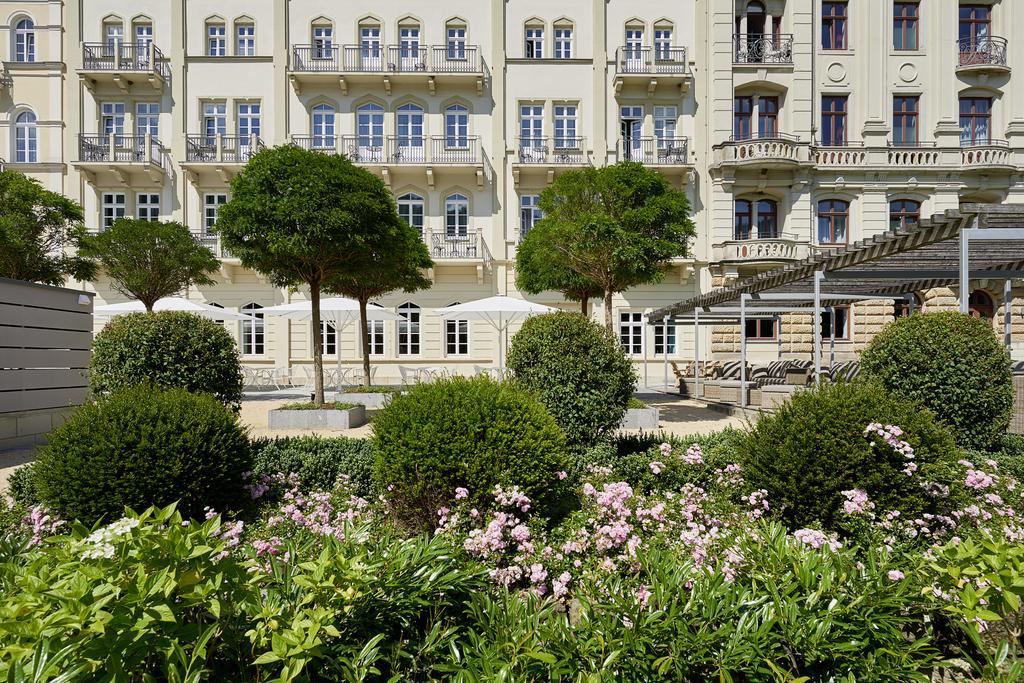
[{"x": 45, "y": 337}]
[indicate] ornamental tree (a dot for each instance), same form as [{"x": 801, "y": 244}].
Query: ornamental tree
[
  {"x": 616, "y": 226},
  {"x": 148, "y": 260},
  {"x": 303, "y": 217},
  {"x": 39, "y": 231},
  {"x": 397, "y": 265},
  {"x": 540, "y": 267}
]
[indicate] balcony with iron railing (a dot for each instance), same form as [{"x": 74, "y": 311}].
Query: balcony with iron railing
[
  {"x": 556, "y": 151},
  {"x": 399, "y": 150},
  {"x": 214, "y": 244},
  {"x": 777, "y": 150},
  {"x": 982, "y": 54},
  {"x": 457, "y": 246},
  {"x": 763, "y": 49},
  {"x": 122, "y": 155},
  {"x": 123, "y": 63},
  {"x": 651, "y": 66},
  {"x": 221, "y": 149},
  {"x": 653, "y": 151}
]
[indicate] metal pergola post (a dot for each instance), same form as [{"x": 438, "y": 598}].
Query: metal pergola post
[
  {"x": 1008, "y": 313},
  {"x": 743, "y": 349},
  {"x": 832, "y": 335},
  {"x": 965, "y": 270},
  {"x": 696, "y": 352},
  {"x": 664, "y": 347},
  {"x": 818, "y": 277}
]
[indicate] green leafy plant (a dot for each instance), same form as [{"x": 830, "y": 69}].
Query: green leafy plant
[
  {"x": 21, "y": 485},
  {"x": 167, "y": 349},
  {"x": 540, "y": 268},
  {"x": 149, "y": 260},
  {"x": 317, "y": 461},
  {"x": 470, "y": 433},
  {"x": 952, "y": 364},
  {"x": 576, "y": 369},
  {"x": 814, "y": 447},
  {"x": 313, "y": 406},
  {"x": 144, "y": 446}
]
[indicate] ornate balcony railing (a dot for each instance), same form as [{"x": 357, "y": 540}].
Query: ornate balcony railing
[
  {"x": 647, "y": 60},
  {"x": 119, "y": 56},
  {"x": 655, "y": 151},
  {"x": 399, "y": 149},
  {"x": 779, "y": 147},
  {"x": 982, "y": 154},
  {"x": 914, "y": 155},
  {"x": 121, "y": 149},
  {"x": 850, "y": 154},
  {"x": 213, "y": 243},
  {"x": 565, "y": 151},
  {"x": 982, "y": 51},
  {"x": 456, "y": 58},
  {"x": 225, "y": 149},
  {"x": 468, "y": 245},
  {"x": 782, "y": 248},
  {"x": 757, "y": 48}
]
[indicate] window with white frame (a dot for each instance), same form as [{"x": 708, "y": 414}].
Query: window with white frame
[
  {"x": 409, "y": 330},
  {"x": 143, "y": 32},
  {"x": 112, "y": 118},
  {"x": 456, "y": 127},
  {"x": 26, "y": 141},
  {"x": 328, "y": 339},
  {"x": 409, "y": 48},
  {"x": 375, "y": 329},
  {"x": 631, "y": 332},
  {"x": 663, "y": 44},
  {"x": 147, "y": 206},
  {"x": 456, "y": 336},
  {"x": 456, "y": 42},
  {"x": 113, "y": 34},
  {"x": 249, "y": 117},
  {"x": 534, "y": 42},
  {"x": 565, "y": 126},
  {"x": 245, "y": 40},
  {"x": 215, "y": 121},
  {"x": 369, "y": 46},
  {"x": 323, "y": 127},
  {"x": 529, "y": 213},
  {"x": 665, "y": 119},
  {"x": 410, "y": 209},
  {"x": 370, "y": 130},
  {"x": 253, "y": 338},
  {"x": 323, "y": 41},
  {"x": 147, "y": 119},
  {"x": 531, "y": 124},
  {"x": 112, "y": 205},
  {"x": 661, "y": 339},
  {"x": 563, "y": 42},
  {"x": 456, "y": 216},
  {"x": 216, "y": 39},
  {"x": 25, "y": 41},
  {"x": 212, "y": 201},
  {"x": 835, "y": 323}
]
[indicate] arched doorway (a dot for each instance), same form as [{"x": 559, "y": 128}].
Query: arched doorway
[{"x": 980, "y": 305}]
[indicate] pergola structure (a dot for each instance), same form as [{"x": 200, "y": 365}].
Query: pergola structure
[{"x": 980, "y": 241}]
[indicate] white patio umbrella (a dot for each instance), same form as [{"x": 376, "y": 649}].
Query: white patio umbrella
[
  {"x": 171, "y": 303},
  {"x": 339, "y": 311},
  {"x": 499, "y": 312}
]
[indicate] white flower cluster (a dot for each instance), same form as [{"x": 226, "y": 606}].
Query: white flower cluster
[{"x": 100, "y": 543}]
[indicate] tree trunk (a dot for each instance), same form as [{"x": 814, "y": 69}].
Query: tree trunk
[
  {"x": 364, "y": 335},
  {"x": 608, "y": 294},
  {"x": 584, "y": 305},
  {"x": 318, "y": 349}
]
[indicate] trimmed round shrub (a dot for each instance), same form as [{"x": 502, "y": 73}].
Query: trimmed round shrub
[
  {"x": 814, "y": 448},
  {"x": 167, "y": 349},
  {"x": 21, "y": 485},
  {"x": 141, "y": 447},
  {"x": 469, "y": 433},
  {"x": 578, "y": 370},
  {"x": 318, "y": 462},
  {"x": 952, "y": 364}
]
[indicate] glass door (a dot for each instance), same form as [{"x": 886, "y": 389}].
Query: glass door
[
  {"x": 631, "y": 122},
  {"x": 634, "y": 50},
  {"x": 410, "y": 147},
  {"x": 370, "y": 132},
  {"x": 369, "y": 48}
]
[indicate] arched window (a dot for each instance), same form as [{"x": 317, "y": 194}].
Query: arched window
[
  {"x": 370, "y": 133},
  {"x": 904, "y": 213},
  {"x": 252, "y": 331},
  {"x": 762, "y": 213},
  {"x": 980, "y": 305},
  {"x": 743, "y": 220},
  {"x": 409, "y": 127},
  {"x": 25, "y": 41},
  {"x": 323, "y": 127},
  {"x": 409, "y": 330},
  {"x": 456, "y": 216},
  {"x": 410, "y": 208},
  {"x": 903, "y": 307},
  {"x": 767, "y": 219},
  {"x": 456, "y": 336},
  {"x": 26, "y": 146},
  {"x": 456, "y": 127},
  {"x": 833, "y": 220}
]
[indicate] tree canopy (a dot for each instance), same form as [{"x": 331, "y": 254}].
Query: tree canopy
[
  {"x": 616, "y": 226},
  {"x": 304, "y": 217},
  {"x": 540, "y": 267},
  {"x": 149, "y": 260},
  {"x": 40, "y": 231}
]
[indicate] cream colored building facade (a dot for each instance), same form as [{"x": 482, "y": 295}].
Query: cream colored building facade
[{"x": 794, "y": 125}]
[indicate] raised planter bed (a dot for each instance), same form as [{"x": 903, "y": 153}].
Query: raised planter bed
[
  {"x": 372, "y": 400},
  {"x": 330, "y": 418},
  {"x": 640, "y": 418}
]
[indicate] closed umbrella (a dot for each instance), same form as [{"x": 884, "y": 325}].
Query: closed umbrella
[{"x": 497, "y": 311}]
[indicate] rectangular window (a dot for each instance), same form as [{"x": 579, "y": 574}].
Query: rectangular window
[
  {"x": 112, "y": 118},
  {"x": 663, "y": 45},
  {"x": 246, "y": 40},
  {"x": 456, "y": 337},
  {"x": 211, "y": 208},
  {"x": 833, "y": 218},
  {"x": 767, "y": 117},
  {"x": 535, "y": 43},
  {"x": 113, "y": 208},
  {"x": 253, "y": 337},
  {"x": 215, "y": 121},
  {"x": 742, "y": 111},
  {"x": 249, "y": 114},
  {"x": 833, "y": 120},
  {"x": 216, "y": 40},
  {"x": 760, "y": 329},
  {"x": 529, "y": 213},
  {"x": 409, "y": 331},
  {"x": 531, "y": 131},
  {"x": 323, "y": 42},
  {"x": 833, "y": 26},
  {"x": 563, "y": 43},
  {"x": 376, "y": 330},
  {"x": 25, "y": 41},
  {"x": 457, "y": 42},
  {"x": 975, "y": 121},
  {"x": 328, "y": 339},
  {"x": 631, "y": 333},
  {"x": 904, "y": 121},
  {"x": 147, "y": 206},
  {"x": 565, "y": 126},
  {"x": 838, "y": 328},
  {"x": 147, "y": 119},
  {"x": 660, "y": 340},
  {"x": 665, "y": 119},
  {"x": 904, "y": 25}
]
